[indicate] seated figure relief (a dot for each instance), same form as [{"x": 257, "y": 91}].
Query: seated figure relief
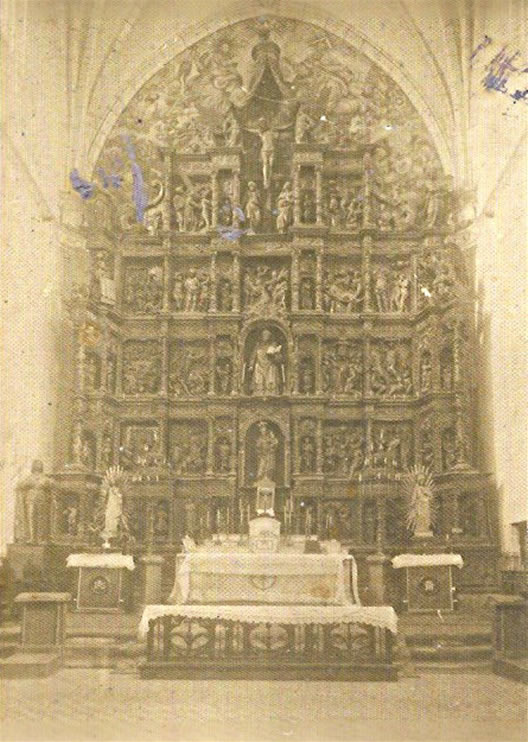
[
  {"x": 390, "y": 371},
  {"x": 189, "y": 371},
  {"x": 266, "y": 290},
  {"x": 343, "y": 291}
]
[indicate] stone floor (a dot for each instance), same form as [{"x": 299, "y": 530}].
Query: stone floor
[{"x": 99, "y": 704}]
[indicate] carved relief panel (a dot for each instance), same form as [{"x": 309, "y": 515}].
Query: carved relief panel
[
  {"x": 141, "y": 367},
  {"x": 342, "y": 367},
  {"x": 343, "y": 448},
  {"x": 189, "y": 368},
  {"x": 190, "y": 290},
  {"x": 391, "y": 286},
  {"x": 141, "y": 446},
  {"x": 142, "y": 288},
  {"x": 188, "y": 440},
  {"x": 390, "y": 446},
  {"x": 192, "y": 205},
  {"x": 344, "y": 203},
  {"x": 266, "y": 287},
  {"x": 343, "y": 287},
  {"x": 391, "y": 369}
]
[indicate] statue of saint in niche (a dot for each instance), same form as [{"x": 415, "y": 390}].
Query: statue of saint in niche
[
  {"x": 266, "y": 367},
  {"x": 266, "y": 445}
]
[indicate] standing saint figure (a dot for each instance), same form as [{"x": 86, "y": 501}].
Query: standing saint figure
[
  {"x": 266, "y": 366},
  {"x": 31, "y": 504},
  {"x": 267, "y": 444},
  {"x": 113, "y": 503},
  {"x": 419, "y": 485},
  {"x": 253, "y": 210}
]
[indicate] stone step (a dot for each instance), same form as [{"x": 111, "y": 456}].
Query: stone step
[
  {"x": 443, "y": 653},
  {"x": 95, "y": 651},
  {"x": 10, "y": 633},
  {"x": 449, "y": 639},
  {"x": 7, "y": 648},
  {"x": 30, "y": 665},
  {"x": 444, "y": 668}
]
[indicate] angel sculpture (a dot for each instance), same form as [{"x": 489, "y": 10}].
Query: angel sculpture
[
  {"x": 418, "y": 484},
  {"x": 115, "y": 480}
]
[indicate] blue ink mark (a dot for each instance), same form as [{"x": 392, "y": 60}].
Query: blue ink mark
[
  {"x": 238, "y": 211},
  {"x": 110, "y": 180},
  {"x": 231, "y": 233},
  {"x": 499, "y": 70},
  {"x": 483, "y": 44},
  {"x": 83, "y": 187},
  {"x": 520, "y": 95},
  {"x": 139, "y": 194}
]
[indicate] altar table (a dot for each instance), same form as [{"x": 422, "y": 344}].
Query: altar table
[
  {"x": 269, "y": 578},
  {"x": 316, "y": 642}
]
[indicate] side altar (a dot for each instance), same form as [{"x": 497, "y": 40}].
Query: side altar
[{"x": 261, "y": 605}]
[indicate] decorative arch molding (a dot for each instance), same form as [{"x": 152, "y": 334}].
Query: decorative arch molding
[{"x": 289, "y": 9}]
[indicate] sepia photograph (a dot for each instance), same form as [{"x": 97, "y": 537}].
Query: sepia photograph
[{"x": 264, "y": 469}]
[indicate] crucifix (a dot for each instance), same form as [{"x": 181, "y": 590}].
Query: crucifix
[{"x": 267, "y": 135}]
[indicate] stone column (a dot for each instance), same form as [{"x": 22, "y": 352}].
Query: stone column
[
  {"x": 319, "y": 447},
  {"x": 150, "y": 566},
  {"x": 295, "y": 282},
  {"x": 296, "y": 197},
  {"x": 211, "y": 390},
  {"x": 190, "y": 517},
  {"x": 164, "y": 358},
  {"x": 366, "y": 365},
  {"x": 295, "y": 453},
  {"x": 319, "y": 220},
  {"x": 366, "y": 245},
  {"x": 461, "y": 438},
  {"x": 318, "y": 368},
  {"x": 319, "y": 282},
  {"x": 210, "y": 446},
  {"x": 166, "y": 284},
  {"x": 367, "y": 195},
  {"x": 212, "y": 284},
  {"x": 377, "y": 565},
  {"x": 236, "y": 192},
  {"x": 236, "y": 282},
  {"x": 214, "y": 200},
  {"x": 414, "y": 280},
  {"x": 165, "y": 206}
]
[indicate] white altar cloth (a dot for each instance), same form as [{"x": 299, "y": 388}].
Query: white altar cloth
[
  {"x": 111, "y": 560},
  {"x": 427, "y": 560},
  {"x": 382, "y": 616},
  {"x": 249, "y": 577}
]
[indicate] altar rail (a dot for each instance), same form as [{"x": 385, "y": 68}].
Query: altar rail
[{"x": 179, "y": 647}]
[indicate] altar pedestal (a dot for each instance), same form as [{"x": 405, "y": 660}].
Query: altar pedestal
[
  {"x": 102, "y": 582},
  {"x": 43, "y": 620},
  {"x": 428, "y": 581},
  {"x": 42, "y": 636}
]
